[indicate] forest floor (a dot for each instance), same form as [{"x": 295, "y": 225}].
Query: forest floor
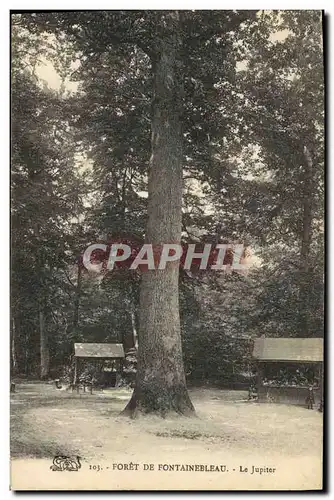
[{"x": 229, "y": 430}]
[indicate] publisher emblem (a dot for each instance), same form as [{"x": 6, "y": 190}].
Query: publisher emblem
[{"x": 62, "y": 463}]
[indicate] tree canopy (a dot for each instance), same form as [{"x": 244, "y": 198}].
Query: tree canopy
[{"x": 243, "y": 92}]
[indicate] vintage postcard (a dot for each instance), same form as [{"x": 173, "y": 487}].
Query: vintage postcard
[{"x": 167, "y": 250}]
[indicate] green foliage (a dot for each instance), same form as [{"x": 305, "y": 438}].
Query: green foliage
[{"x": 252, "y": 112}]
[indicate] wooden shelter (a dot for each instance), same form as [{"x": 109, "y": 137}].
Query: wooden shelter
[
  {"x": 99, "y": 353},
  {"x": 285, "y": 353}
]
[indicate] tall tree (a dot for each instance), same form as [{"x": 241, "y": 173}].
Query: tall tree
[
  {"x": 292, "y": 139},
  {"x": 171, "y": 41},
  {"x": 160, "y": 384},
  {"x": 43, "y": 183}
]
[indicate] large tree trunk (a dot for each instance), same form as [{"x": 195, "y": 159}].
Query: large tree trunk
[
  {"x": 160, "y": 384},
  {"x": 306, "y": 245},
  {"x": 44, "y": 348}
]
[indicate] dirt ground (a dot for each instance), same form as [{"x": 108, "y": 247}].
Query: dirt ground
[{"x": 283, "y": 440}]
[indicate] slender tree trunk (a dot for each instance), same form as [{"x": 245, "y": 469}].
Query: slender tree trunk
[
  {"x": 26, "y": 355},
  {"x": 160, "y": 384},
  {"x": 75, "y": 376},
  {"x": 13, "y": 347},
  {"x": 77, "y": 298},
  {"x": 44, "y": 348},
  {"x": 306, "y": 245},
  {"x": 134, "y": 329}
]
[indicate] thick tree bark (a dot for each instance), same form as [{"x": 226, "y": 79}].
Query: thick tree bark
[
  {"x": 306, "y": 237},
  {"x": 44, "y": 348},
  {"x": 160, "y": 384}
]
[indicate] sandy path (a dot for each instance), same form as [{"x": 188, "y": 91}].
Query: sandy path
[{"x": 228, "y": 432}]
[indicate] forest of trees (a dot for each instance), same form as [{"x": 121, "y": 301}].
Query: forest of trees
[{"x": 184, "y": 126}]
